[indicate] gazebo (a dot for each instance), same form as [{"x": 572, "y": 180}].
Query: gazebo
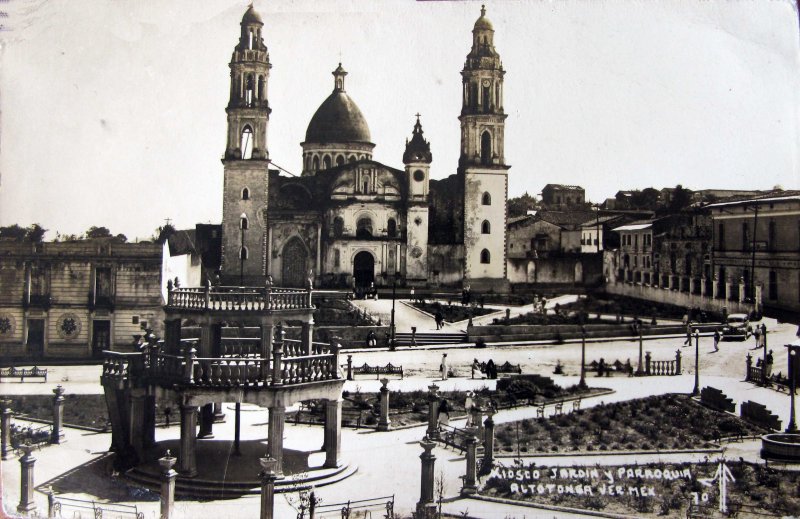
[{"x": 223, "y": 344}]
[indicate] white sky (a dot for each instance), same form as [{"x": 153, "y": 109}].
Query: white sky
[{"x": 113, "y": 111}]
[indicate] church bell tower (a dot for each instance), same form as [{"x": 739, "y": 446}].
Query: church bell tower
[
  {"x": 482, "y": 163},
  {"x": 246, "y": 160},
  {"x": 417, "y": 159}
]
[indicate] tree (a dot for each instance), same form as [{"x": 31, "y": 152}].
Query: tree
[
  {"x": 681, "y": 198},
  {"x": 163, "y": 233},
  {"x": 121, "y": 238},
  {"x": 648, "y": 198},
  {"x": 98, "y": 232},
  {"x": 35, "y": 233},
  {"x": 13, "y": 232},
  {"x": 520, "y": 205}
]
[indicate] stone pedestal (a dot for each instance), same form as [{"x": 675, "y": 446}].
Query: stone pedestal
[
  {"x": 268, "y": 477},
  {"x": 427, "y": 475},
  {"x": 488, "y": 440},
  {"x": 57, "y": 435},
  {"x": 26, "y": 483},
  {"x": 384, "y": 424},
  {"x": 168, "y": 476}
]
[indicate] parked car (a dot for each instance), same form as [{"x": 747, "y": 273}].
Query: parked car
[{"x": 737, "y": 327}]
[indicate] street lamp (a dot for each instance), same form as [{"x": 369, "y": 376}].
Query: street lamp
[
  {"x": 243, "y": 227},
  {"x": 582, "y": 383},
  {"x": 638, "y": 327},
  {"x": 793, "y": 348},
  {"x": 696, "y": 390},
  {"x": 392, "y": 344}
]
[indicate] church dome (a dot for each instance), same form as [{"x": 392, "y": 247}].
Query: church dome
[
  {"x": 483, "y": 23},
  {"x": 338, "y": 118},
  {"x": 251, "y": 16}
]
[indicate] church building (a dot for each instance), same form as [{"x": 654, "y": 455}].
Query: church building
[{"x": 348, "y": 220}]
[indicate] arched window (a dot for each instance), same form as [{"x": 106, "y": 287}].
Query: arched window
[
  {"x": 245, "y": 194},
  {"x": 473, "y": 95},
  {"x": 326, "y": 162},
  {"x": 485, "y": 256},
  {"x": 486, "y": 199},
  {"x": 246, "y": 144},
  {"x": 337, "y": 258},
  {"x": 351, "y": 159},
  {"x": 244, "y": 224},
  {"x": 250, "y": 86},
  {"x": 486, "y": 105},
  {"x": 365, "y": 184},
  {"x": 486, "y": 227},
  {"x": 364, "y": 228},
  {"x": 315, "y": 163},
  {"x": 243, "y": 253},
  {"x": 338, "y": 227},
  {"x": 391, "y": 228},
  {"x": 339, "y": 160},
  {"x": 486, "y": 147}
]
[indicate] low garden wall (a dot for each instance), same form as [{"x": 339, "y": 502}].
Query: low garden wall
[{"x": 500, "y": 333}]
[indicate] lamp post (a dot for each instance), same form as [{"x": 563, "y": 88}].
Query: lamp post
[
  {"x": 638, "y": 327},
  {"x": 391, "y": 324},
  {"x": 792, "y": 427},
  {"x": 696, "y": 390},
  {"x": 243, "y": 227},
  {"x": 582, "y": 383}
]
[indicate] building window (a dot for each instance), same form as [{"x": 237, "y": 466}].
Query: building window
[
  {"x": 315, "y": 163},
  {"x": 243, "y": 253},
  {"x": 338, "y": 227},
  {"x": 773, "y": 285},
  {"x": 243, "y": 223},
  {"x": 485, "y": 256},
  {"x": 245, "y": 194},
  {"x": 487, "y": 199},
  {"x": 771, "y": 235},
  {"x": 486, "y": 227},
  {"x": 246, "y": 144},
  {"x": 391, "y": 228},
  {"x": 364, "y": 228},
  {"x": 486, "y": 148},
  {"x": 419, "y": 176},
  {"x": 135, "y": 319},
  {"x": 340, "y": 160},
  {"x": 337, "y": 258},
  {"x": 745, "y": 236},
  {"x": 721, "y": 234},
  {"x": 326, "y": 162}
]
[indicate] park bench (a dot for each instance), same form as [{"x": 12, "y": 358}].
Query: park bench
[
  {"x": 22, "y": 373},
  {"x": 357, "y": 508},
  {"x": 366, "y": 369}
]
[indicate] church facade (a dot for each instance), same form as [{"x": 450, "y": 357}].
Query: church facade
[{"x": 348, "y": 220}]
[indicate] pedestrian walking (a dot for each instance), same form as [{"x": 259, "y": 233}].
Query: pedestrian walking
[
  {"x": 439, "y": 318},
  {"x": 768, "y": 364},
  {"x": 443, "y": 366},
  {"x": 716, "y": 340},
  {"x": 688, "y": 341},
  {"x": 444, "y": 412},
  {"x": 757, "y": 337}
]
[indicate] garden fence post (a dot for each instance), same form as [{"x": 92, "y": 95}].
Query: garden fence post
[
  {"x": 26, "y": 484},
  {"x": 6, "y": 432},
  {"x": 426, "y": 477},
  {"x": 57, "y": 435},
  {"x": 384, "y": 422},
  {"x": 471, "y": 476},
  {"x": 349, "y": 367},
  {"x": 488, "y": 439},
  {"x": 268, "y": 477},
  {"x": 168, "y": 476}
]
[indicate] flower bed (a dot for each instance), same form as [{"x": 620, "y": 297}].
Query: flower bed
[
  {"x": 653, "y": 423},
  {"x": 83, "y": 410}
]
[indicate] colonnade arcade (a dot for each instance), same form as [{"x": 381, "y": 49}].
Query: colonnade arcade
[{"x": 224, "y": 344}]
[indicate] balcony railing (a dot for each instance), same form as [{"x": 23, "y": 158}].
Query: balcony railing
[
  {"x": 154, "y": 366},
  {"x": 37, "y": 301},
  {"x": 238, "y": 299}
]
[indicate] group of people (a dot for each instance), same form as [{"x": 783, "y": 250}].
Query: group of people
[
  {"x": 489, "y": 368},
  {"x": 760, "y": 335}
]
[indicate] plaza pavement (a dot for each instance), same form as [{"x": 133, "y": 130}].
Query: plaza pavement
[{"x": 389, "y": 462}]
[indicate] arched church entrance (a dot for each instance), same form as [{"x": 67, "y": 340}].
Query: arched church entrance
[
  {"x": 294, "y": 264},
  {"x": 364, "y": 269}
]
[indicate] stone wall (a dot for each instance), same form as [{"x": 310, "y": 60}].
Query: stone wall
[{"x": 500, "y": 333}]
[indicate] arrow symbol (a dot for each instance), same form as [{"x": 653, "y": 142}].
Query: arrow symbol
[{"x": 706, "y": 481}]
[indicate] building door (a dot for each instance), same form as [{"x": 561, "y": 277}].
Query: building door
[
  {"x": 364, "y": 269},
  {"x": 294, "y": 270},
  {"x": 36, "y": 338},
  {"x": 101, "y": 337}
]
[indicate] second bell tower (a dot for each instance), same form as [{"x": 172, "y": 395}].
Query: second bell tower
[{"x": 246, "y": 160}]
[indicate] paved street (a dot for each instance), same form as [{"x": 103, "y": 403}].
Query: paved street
[{"x": 388, "y": 462}]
